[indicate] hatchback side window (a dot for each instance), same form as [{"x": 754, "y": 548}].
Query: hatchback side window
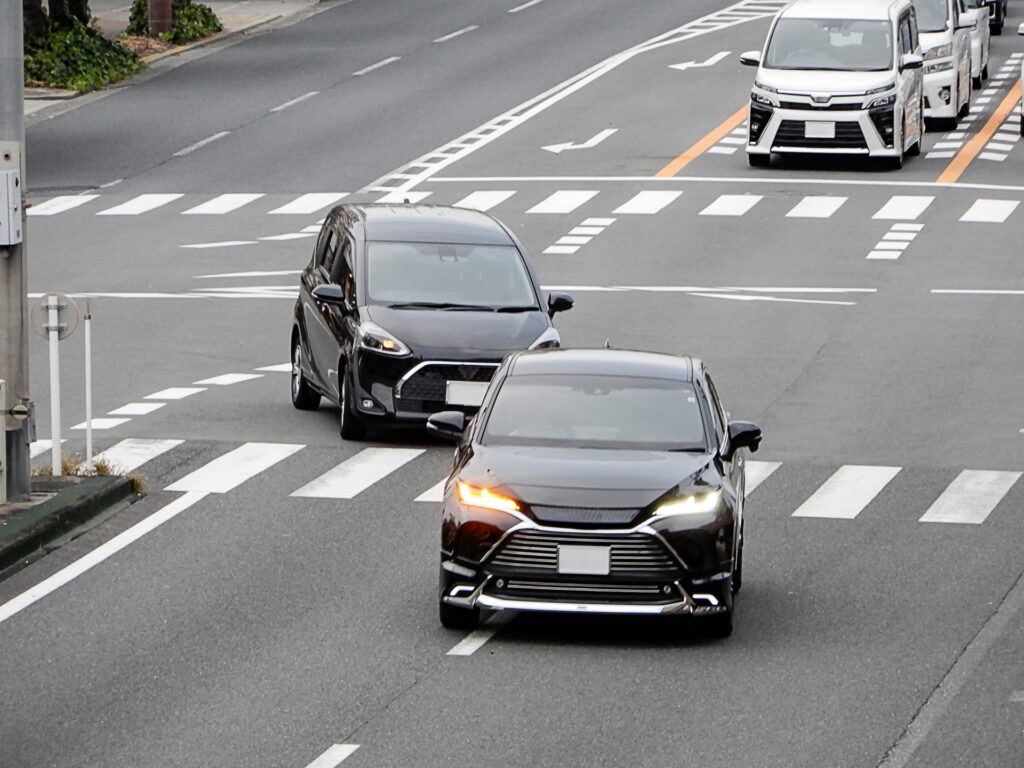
[{"x": 343, "y": 274}]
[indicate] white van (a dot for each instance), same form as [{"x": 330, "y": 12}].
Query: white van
[
  {"x": 838, "y": 77},
  {"x": 946, "y": 42}
]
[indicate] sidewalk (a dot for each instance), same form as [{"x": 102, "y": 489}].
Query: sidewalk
[{"x": 237, "y": 16}]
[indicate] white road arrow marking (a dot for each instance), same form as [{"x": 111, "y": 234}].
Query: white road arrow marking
[
  {"x": 593, "y": 142},
  {"x": 697, "y": 64}
]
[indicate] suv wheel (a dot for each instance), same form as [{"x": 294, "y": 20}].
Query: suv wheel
[
  {"x": 304, "y": 397},
  {"x": 720, "y": 624}
]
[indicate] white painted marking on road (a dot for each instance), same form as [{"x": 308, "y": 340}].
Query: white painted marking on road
[
  {"x": 200, "y": 144},
  {"x": 227, "y": 472},
  {"x": 376, "y": 66},
  {"x": 103, "y": 424},
  {"x": 524, "y": 6},
  {"x": 484, "y": 200},
  {"x": 355, "y": 475},
  {"x": 990, "y": 211},
  {"x": 648, "y": 202},
  {"x": 886, "y": 245},
  {"x": 310, "y": 203},
  {"x": 905, "y": 237},
  {"x": 906, "y": 227},
  {"x": 737, "y": 140},
  {"x": 334, "y": 756},
  {"x": 293, "y": 102},
  {"x": 289, "y": 236},
  {"x": 979, "y": 291},
  {"x": 759, "y": 471},
  {"x": 586, "y": 231},
  {"x": 128, "y": 455},
  {"x": 588, "y": 144},
  {"x": 97, "y": 556},
  {"x": 847, "y": 492},
  {"x": 476, "y": 640},
  {"x": 597, "y": 222},
  {"x": 736, "y": 297},
  {"x": 136, "y": 409},
  {"x": 39, "y": 447},
  {"x": 223, "y": 204},
  {"x": 563, "y": 250},
  {"x": 400, "y": 198},
  {"x": 1009, "y": 138},
  {"x": 227, "y": 379},
  {"x": 280, "y": 368},
  {"x": 276, "y": 273},
  {"x": 999, "y": 147},
  {"x": 948, "y": 144},
  {"x": 884, "y": 255},
  {"x": 59, "y": 204},
  {"x": 710, "y": 62},
  {"x": 816, "y": 207},
  {"x": 459, "y": 33},
  {"x": 434, "y": 494},
  {"x": 573, "y": 240},
  {"x": 563, "y": 201},
  {"x": 175, "y": 393},
  {"x": 904, "y": 207},
  {"x": 140, "y": 204},
  {"x": 971, "y": 497},
  {"x": 722, "y": 150},
  {"x": 221, "y": 244},
  {"x": 731, "y": 205},
  {"x": 110, "y": 184},
  {"x": 992, "y": 156}
]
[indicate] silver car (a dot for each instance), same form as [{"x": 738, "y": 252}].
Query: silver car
[{"x": 980, "y": 12}]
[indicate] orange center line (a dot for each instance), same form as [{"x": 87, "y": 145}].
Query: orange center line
[
  {"x": 966, "y": 156},
  {"x": 704, "y": 144}
]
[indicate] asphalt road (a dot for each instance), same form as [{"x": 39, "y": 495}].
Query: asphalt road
[{"x": 257, "y": 627}]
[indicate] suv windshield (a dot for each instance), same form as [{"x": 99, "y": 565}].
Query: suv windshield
[
  {"x": 445, "y": 276},
  {"x": 845, "y": 45},
  {"x": 583, "y": 411},
  {"x": 932, "y": 15}
]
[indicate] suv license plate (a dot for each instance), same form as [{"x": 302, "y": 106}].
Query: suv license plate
[
  {"x": 588, "y": 561},
  {"x": 819, "y": 130},
  {"x": 467, "y": 393}
]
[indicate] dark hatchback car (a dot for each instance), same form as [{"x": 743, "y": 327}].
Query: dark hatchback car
[
  {"x": 599, "y": 482},
  {"x": 406, "y": 310}
]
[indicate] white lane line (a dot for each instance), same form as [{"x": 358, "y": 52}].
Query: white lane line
[
  {"x": 334, "y": 756},
  {"x": 459, "y": 33},
  {"x": 971, "y": 497},
  {"x": 731, "y": 205},
  {"x": 433, "y": 494},
  {"x": 175, "y": 393},
  {"x": 904, "y": 207},
  {"x": 563, "y": 201},
  {"x": 990, "y": 211},
  {"x": 816, "y": 207},
  {"x": 128, "y": 455},
  {"x": 200, "y": 144},
  {"x": 97, "y": 556},
  {"x": 227, "y": 379},
  {"x": 759, "y": 471},
  {"x": 103, "y": 423},
  {"x": 524, "y": 6},
  {"x": 736, "y": 297},
  {"x": 400, "y": 198},
  {"x": 484, "y": 200},
  {"x": 223, "y": 204},
  {"x": 978, "y": 292},
  {"x": 221, "y": 244},
  {"x": 136, "y": 409},
  {"x": 280, "y": 368},
  {"x": 293, "y": 102},
  {"x": 378, "y": 65},
  {"x": 39, "y": 447},
  {"x": 845, "y": 495},
  {"x": 563, "y": 250},
  {"x": 140, "y": 204},
  {"x": 355, "y": 475},
  {"x": 648, "y": 202},
  {"x": 310, "y": 203},
  {"x": 476, "y": 639},
  {"x": 230, "y": 470},
  {"x": 59, "y": 204}
]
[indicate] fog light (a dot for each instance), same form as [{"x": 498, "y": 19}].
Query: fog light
[
  {"x": 367, "y": 403},
  {"x": 944, "y": 94},
  {"x": 666, "y": 589},
  {"x": 500, "y": 583}
]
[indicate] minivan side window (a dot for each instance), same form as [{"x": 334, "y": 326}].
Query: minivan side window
[
  {"x": 343, "y": 274},
  {"x": 329, "y": 250},
  {"x": 906, "y": 40},
  {"x": 913, "y": 30}
]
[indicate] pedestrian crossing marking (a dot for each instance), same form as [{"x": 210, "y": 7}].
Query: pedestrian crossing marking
[
  {"x": 757, "y": 472},
  {"x": 136, "y": 409},
  {"x": 847, "y": 492},
  {"x": 310, "y": 203},
  {"x": 102, "y": 424},
  {"x": 484, "y": 200},
  {"x": 990, "y": 211},
  {"x": 222, "y": 204},
  {"x": 648, "y": 202},
  {"x": 140, "y": 204},
  {"x": 434, "y": 494},
  {"x": 971, "y": 497},
  {"x": 731, "y": 205},
  {"x": 563, "y": 201},
  {"x": 230, "y": 470},
  {"x": 175, "y": 393},
  {"x": 816, "y": 207},
  {"x": 355, "y": 475},
  {"x": 59, "y": 204},
  {"x": 907, "y": 207},
  {"x": 227, "y": 379},
  {"x": 128, "y": 455}
]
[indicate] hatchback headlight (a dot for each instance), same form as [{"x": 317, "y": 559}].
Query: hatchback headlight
[
  {"x": 547, "y": 340},
  {"x": 939, "y": 52},
  {"x": 376, "y": 339},
  {"x": 691, "y": 504}
]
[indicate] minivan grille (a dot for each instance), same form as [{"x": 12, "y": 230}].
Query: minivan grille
[
  {"x": 431, "y": 381},
  {"x": 848, "y": 136}
]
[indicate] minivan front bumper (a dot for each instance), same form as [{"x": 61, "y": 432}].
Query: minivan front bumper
[
  {"x": 940, "y": 94},
  {"x": 773, "y": 129}
]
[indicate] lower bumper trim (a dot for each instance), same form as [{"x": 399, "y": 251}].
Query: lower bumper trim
[{"x": 677, "y": 607}]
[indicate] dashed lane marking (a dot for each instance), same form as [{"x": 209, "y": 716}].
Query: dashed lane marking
[
  {"x": 378, "y": 65},
  {"x": 477, "y": 639},
  {"x": 334, "y": 756},
  {"x": 200, "y": 144}
]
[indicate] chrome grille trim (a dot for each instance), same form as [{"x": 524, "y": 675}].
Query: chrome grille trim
[{"x": 632, "y": 554}]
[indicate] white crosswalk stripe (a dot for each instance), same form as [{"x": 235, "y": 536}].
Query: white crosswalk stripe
[
  {"x": 227, "y": 472},
  {"x": 310, "y": 203},
  {"x": 904, "y": 207},
  {"x": 731, "y": 205},
  {"x": 759, "y": 471},
  {"x": 355, "y": 475},
  {"x": 648, "y": 202},
  {"x": 847, "y": 492},
  {"x": 816, "y": 207},
  {"x": 971, "y": 497},
  {"x": 222, "y": 204},
  {"x": 433, "y": 494},
  {"x": 59, "y": 204},
  {"x": 128, "y": 455},
  {"x": 140, "y": 204},
  {"x": 990, "y": 211},
  {"x": 563, "y": 201},
  {"x": 484, "y": 200}
]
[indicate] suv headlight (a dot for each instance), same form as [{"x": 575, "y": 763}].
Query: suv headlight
[
  {"x": 884, "y": 101},
  {"x": 691, "y": 504},
  {"x": 939, "y": 52},
  {"x": 376, "y": 339},
  {"x": 547, "y": 340}
]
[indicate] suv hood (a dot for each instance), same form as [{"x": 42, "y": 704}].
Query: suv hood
[{"x": 823, "y": 82}]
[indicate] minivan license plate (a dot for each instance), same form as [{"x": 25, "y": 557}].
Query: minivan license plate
[
  {"x": 819, "y": 130},
  {"x": 588, "y": 561},
  {"x": 467, "y": 393}
]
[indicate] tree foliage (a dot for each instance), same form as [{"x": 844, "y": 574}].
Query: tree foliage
[{"x": 191, "y": 21}]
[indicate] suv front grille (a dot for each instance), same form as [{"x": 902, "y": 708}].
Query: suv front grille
[
  {"x": 848, "y": 136},
  {"x": 584, "y": 515},
  {"x": 430, "y": 383},
  {"x": 632, "y": 554}
]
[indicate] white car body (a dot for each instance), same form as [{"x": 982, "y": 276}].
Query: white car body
[
  {"x": 981, "y": 39},
  {"x": 1020, "y": 31},
  {"x": 876, "y": 112},
  {"x": 947, "y": 65}
]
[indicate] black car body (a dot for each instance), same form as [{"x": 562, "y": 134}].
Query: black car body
[
  {"x": 405, "y": 310},
  {"x": 595, "y": 481}
]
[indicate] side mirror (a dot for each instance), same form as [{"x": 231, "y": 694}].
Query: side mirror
[
  {"x": 965, "y": 21},
  {"x": 447, "y": 424},
  {"x": 750, "y": 58},
  {"x": 911, "y": 61},
  {"x": 743, "y": 434},
  {"x": 559, "y": 302},
  {"x": 333, "y": 295},
  {"x": 1020, "y": 29}
]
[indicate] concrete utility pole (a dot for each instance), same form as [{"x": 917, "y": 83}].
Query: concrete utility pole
[{"x": 13, "y": 272}]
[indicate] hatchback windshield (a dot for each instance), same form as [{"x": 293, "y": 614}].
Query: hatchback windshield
[
  {"x": 932, "y": 15},
  {"x": 596, "y": 412},
  {"x": 448, "y": 276},
  {"x": 831, "y": 44}
]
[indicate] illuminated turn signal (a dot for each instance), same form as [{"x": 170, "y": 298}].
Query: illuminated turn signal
[{"x": 485, "y": 498}]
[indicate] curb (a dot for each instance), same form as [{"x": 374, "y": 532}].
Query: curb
[
  {"x": 260, "y": 21},
  {"x": 26, "y": 533}
]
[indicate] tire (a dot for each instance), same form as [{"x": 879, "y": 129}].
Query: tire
[
  {"x": 966, "y": 108},
  {"x": 998, "y": 28},
  {"x": 976, "y": 81},
  {"x": 350, "y": 425},
  {"x": 720, "y": 624},
  {"x": 759, "y": 161},
  {"x": 984, "y": 72},
  {"x": 453, "y": 617},
  {"x": 1022, "y": 124},
  {"x": 915, "y": 151},
  {"x": 304, "y": 397}
]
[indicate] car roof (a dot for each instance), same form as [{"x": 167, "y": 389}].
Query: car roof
[
  {"x": 428, "y": 224},
  {"x": 608, "y": 362},
  {"x": 841, "y": 9}
]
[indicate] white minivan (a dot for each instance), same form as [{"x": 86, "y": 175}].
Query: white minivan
[
  {"x": 946, "y": 42},
  {"x": 838, "y": 77}
]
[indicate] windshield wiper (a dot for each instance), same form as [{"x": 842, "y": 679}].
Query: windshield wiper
[
  {"x": 445, "y": 305},
  {"x": 692, "y": 449},
  {"x": 525, "y": 308}
]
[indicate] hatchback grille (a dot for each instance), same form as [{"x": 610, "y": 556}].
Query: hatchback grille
[
  {"x": 848, "y": 136},
  {"x": 633, "y": 554},
  {"x": 431, "y": 381},
  {"x": 584, "y": 515}
]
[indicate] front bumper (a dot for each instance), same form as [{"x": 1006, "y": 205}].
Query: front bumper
[
  {"x": 857, "y": 131},
  {"x": 940, "y": 95}
]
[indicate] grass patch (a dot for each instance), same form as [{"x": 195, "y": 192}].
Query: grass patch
[{"x": 70, "y": 467}]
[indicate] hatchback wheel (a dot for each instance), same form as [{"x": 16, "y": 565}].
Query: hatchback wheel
[
  {"x": 304, "y": 397},
  {"x": 350, "y": 425}
]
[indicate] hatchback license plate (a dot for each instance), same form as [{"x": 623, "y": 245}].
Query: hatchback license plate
[
  {"x": 466, "y": 393},
  {"x": 589, "y": 561},
  {"x": 819, "y": 130}
]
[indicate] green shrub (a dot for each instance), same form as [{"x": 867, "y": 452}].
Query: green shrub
[
  {"x": 79, "y": 58},
  {"x": 191, "y": 21}
]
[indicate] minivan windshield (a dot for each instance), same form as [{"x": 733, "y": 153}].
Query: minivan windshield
[
  {"x": 932, "y": 15},
  {"x": 842, "y": 45}
]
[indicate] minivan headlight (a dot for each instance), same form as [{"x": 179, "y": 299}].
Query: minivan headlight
[
  {"x": 939, "y": 52},
  {"x": 760, "y": 98},
  {"x": 884, "y": 101},
  {"x": 376, "y": 339},
  {"x": 763, "y": 87},
  {"x": 880, "y": 89}
]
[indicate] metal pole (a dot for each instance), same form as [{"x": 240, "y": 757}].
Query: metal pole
[
  {"x": 88, "y": 387},
  {"x": 13, "y": 259},
  {"x": 53, "y": 327}
]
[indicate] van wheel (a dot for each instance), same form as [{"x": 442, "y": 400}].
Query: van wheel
[
  {"x": 984, "y": 72},
  {"x": 304, "y": 397},
  {"x": 350, "y": 426},
  {"x": 966, "y": 108},
  {"x": 759, "y": 161}
]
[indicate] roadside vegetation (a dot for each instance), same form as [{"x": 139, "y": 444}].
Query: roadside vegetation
[
  {"x": 73, "y": 467},
  {"x": 192, "y": 21}
]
